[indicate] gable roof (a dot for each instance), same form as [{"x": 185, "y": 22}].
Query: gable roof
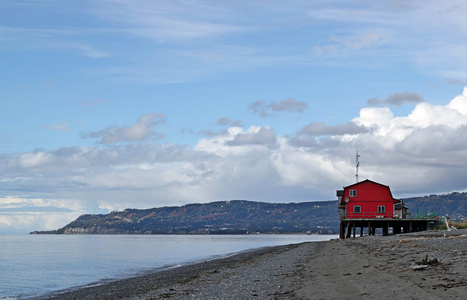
[
  {"x": 373, "y": 182},
  {"x": 366, "y": 180}
]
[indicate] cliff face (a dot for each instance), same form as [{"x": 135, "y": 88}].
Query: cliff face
[{"x": 98, "y": 230}]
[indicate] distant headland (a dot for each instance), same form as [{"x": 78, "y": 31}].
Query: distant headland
[{"x": 242, "y": 217}]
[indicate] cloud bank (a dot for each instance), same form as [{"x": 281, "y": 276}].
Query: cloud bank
[{"x": 420, "y": 153}]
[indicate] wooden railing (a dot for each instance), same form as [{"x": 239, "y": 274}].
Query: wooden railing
[
  {"x": 387, "y": 215},
  {"x": 368, "y": 215}
]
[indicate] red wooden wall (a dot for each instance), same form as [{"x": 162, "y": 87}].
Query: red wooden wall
[{"x": 369, "y": 196}]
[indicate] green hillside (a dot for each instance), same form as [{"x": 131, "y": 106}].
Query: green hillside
[
  {"x": 236, "y": 217},
  {"x": 453, "y": 205},
  {"x": 241, "y": 217}
]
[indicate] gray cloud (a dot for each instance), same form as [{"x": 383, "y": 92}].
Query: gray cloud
[
  {"x": 142, "y": 129},
  {"x": 304, "y": 141},
  {"x": 452, "y": 81},
  {"x": 263, "y": 136},
  {"x": 288, "y": 105},
  {"x": 318, "y": 129},
  {"x": 258, "y": 107},
  {"x": 397, "y": 99},
  {"x": 450, "y": 143},
  {"x": 229, "y": 122}
]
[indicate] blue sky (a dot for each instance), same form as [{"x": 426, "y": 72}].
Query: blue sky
[{"x": 108, "y": 105}]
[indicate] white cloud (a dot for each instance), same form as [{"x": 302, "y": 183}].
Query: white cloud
[
  {"x": 142, "y": 129},
  {"x": 426, "y": 114},
  {"x": 34, "y": 159},
  {"x": 236, "y": 140},
  {"x": 349, "y": 43},
  {"x": 39, "y": 38},
  {"x": 391, "y": 30},
  {"x": 166, "y": 20},
  {"x": 26, "y": 221},
  {"x": 460, "y": 103},
  {"x": 380, "y": 118},
  {"x": 18, "y": 204},
  {"x": 298, "y": 167},
  {"x": 23, "y": 214},
  {"x": 421, "y": 153}
]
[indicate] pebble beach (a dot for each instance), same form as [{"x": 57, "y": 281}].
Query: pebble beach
[{"x": 424, "y": 265}]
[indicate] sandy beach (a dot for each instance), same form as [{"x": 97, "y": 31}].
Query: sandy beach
[{"x": 425, "y": 265}]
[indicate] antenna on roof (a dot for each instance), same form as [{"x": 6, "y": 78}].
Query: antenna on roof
[{"x": 357, "y": 163}]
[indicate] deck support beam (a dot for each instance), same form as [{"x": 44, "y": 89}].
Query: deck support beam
[{"x": 348, "y": 227}]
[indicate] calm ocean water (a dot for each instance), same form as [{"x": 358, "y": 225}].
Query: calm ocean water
[{"x": 34, "y": 265}]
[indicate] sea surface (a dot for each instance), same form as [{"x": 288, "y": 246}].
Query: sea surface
[{"x": 35, "y": 265}]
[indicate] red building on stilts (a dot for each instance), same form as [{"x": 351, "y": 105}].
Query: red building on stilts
[{"x": 368, "y": 204}]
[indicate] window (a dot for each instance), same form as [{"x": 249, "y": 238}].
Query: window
[
  {"x": 357, "y": 209},
  {"x": 381, "y": 209},
  {"x": 352, "y": 193}
]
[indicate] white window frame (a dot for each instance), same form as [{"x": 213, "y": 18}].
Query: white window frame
[
  {"x": 381, "y": 209},
  {"x": 352, "y": 193},
  {"x": 359, "y": 209}
]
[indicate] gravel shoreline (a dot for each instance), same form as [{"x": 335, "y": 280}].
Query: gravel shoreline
[
  {"x": 361, "y": 268},
  {"x": 182, "y": 282}
]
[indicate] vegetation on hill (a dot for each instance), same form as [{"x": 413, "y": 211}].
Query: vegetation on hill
[
  {"x": 236, "y": 217},
  {"x": 241, "y": 217},
  {"x": 453, "y": 205}
]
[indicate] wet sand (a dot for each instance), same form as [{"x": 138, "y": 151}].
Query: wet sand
[{"x": 371, "y": 267}]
